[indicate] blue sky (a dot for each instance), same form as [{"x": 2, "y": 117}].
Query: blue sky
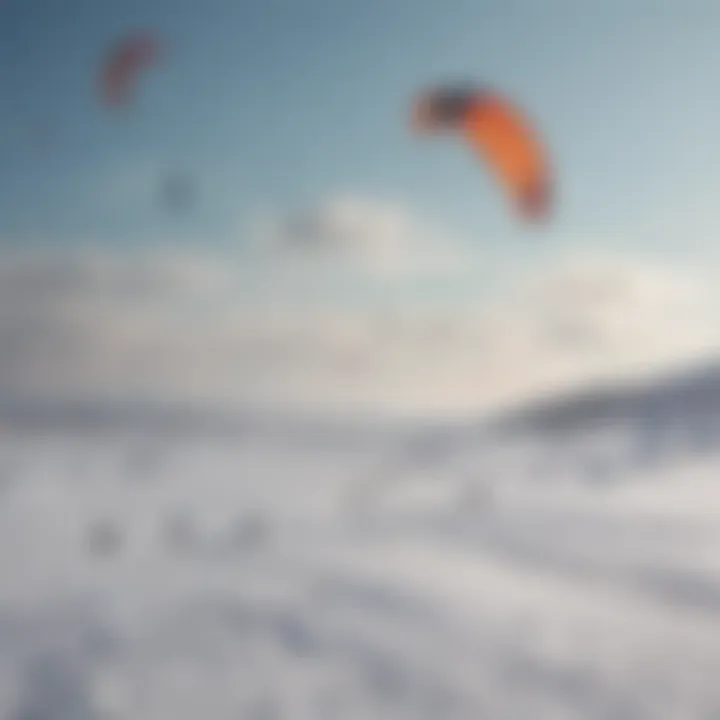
[
  {"x": 279, "y": 103},
  {"x": 276, "y": 106}
]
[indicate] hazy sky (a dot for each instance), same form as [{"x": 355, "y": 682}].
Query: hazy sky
[{"x": 277, "y": 107}]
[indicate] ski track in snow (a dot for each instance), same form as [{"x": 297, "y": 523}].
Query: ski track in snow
[{"x": 518, "y": 576}]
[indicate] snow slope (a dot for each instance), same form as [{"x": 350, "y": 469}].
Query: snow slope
[{"x": 560, "y": 562}]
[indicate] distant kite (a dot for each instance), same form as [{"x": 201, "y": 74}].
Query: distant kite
[
  {"x": 126, "y": 61},
  {"x": 500, "y": 134},
  {"x": 178, "y": 192}
]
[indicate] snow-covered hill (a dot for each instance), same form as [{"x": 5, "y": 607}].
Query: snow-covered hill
[{"x": 562, "y": 561}]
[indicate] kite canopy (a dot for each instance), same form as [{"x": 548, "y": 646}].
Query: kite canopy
[
  {"x": 123, "y": 66},
  {"x": 500, "y": 134}
]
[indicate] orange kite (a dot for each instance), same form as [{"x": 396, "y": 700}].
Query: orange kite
[{"x": 500, "y": 134}]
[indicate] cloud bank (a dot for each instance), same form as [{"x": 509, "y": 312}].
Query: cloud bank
[{"x": 180, "y": 325}]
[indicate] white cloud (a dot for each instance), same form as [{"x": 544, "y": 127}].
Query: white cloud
[
  {"x": 178, "y": 324},
  {"x": 370, "y": 236}
]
